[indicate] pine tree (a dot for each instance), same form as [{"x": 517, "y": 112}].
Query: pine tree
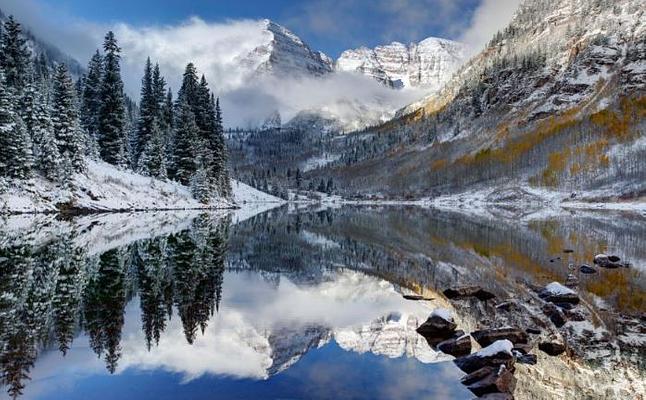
[
  {"x": 186, "y": 129},
  {"x": 147, "y": 112},
  {"x": 152, "y": 161},
  {"x": 44, "y": 143},
  {"x": 15, "y": 144},
  {"x": 220, "y": 153},
  {"x": 67, "y": 130},
  {"x": 14, "y": 56},
  {"x": 112, "y": 124},
  {"x": 91, "y": 97}
]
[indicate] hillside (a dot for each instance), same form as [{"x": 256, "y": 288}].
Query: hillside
[{"x": 555, "y": 101}]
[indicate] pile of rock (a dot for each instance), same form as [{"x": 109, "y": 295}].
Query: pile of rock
[
  {"x": 440, "y": 331},
  {"x": 490, "y": 370}
]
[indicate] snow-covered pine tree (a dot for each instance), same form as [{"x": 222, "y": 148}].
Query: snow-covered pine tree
[
  {"x": 14, "y": 56},
  {"x": 147, "y": 112},
  {"x": 15, "y": 145},
  {"x": 45, "y": 150},
  {"x": 184, "y": 143},
  {"x": 201, "y": 186},
  {"x": 112, "y": 134},
  {"x": 221, "y": 153},
  {"x": 67, "y": 130},
  {"x": 152, "y": 161},
  {"x": 91, "y": 97}
]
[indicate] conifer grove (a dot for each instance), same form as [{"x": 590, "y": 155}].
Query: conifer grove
[{"x": 52, "y": 122}]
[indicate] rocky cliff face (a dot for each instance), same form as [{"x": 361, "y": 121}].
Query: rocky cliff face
[{"x": 428, "y": 64}]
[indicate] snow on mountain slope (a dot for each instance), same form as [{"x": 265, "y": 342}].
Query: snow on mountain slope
[
  {"x": 427, "y": 64},
  {"x": 52, "y": 55},
  {"x": 106, "y": 188}
]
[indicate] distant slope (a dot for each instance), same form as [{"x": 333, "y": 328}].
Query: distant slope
[
  {"x": 53, "y": 55},
  {"x": 556, "y": 101}
]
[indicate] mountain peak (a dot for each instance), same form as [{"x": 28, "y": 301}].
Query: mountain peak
[{"x": 427, "y": 64}]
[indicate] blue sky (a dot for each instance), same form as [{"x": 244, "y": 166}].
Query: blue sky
[{"x": 327, "y": 25}]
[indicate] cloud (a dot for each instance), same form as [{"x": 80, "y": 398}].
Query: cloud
[
  {"x": 229, "y": 54},
  {"x": 76, "y": 37},
  {"x": 490, "y": 17}
]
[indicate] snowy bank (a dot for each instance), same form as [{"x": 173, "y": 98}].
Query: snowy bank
[{"x": 104, "y": 188}]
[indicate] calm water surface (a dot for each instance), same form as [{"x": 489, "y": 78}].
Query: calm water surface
[{"x": 301, "y": 305}]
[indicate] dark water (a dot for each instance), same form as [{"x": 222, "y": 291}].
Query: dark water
[{"x": 300, "y": 305}]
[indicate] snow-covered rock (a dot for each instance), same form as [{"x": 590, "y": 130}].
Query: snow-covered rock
[{"x": 427, "y": 64}]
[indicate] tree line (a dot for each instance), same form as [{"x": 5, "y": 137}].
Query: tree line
[{"x": 51, "y": 124}]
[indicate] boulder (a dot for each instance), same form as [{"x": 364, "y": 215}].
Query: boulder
[
  {"x": 485, "y": 337},
  {"x": 478, "y": 374},
  {"x": 530, "y": 359},
  {"x": 551, "y": 348},
  {"x": 439, "y": 326},
  {"x": 606, "y": 261},
  {"x": 554, "y": 314},
  {"x": 523, "y": 348},
  {"x": 457, "y": 346},
  {"x": 494, "y": 355},
  {"x": 557, "y": 293},
  {"x": 468, "y": 291},
  {"x": 500, "y": 381},
  {"x": 575, "y": 315},
  {"x": 586, "y": 269}
]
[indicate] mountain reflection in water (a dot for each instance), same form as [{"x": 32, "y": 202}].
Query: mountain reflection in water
[{"x": 290, "y": 304}]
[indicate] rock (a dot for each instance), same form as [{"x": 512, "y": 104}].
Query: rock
[
  {"x": 496, "y": 396},
  {"x": 437, "y": 328},
  {"x": 575, "y": 315},
  {"x": 555, "y": 315},
  {"x": 601, "y": 260},
  {"x": 557, "y": 293},
  {"x": 533, "y": 331},
  {"x": 565, "y": 306},
  {"x": 505, "y": 305},
  {"x": 457, "y": 346},
  {"x": 530, "y": 359},
  {"x": 586, "y": 269},
  {"x": 523, "y": 348},
  {"x": 606, "y": 261},
  {"x": 416, "y": 297},
  {"x": 551, "y": 348},
  {"x": 501, "y": 381},
  {"x": 485, "y": 337},
  {"x": 468, "y": 291},
  {"x": 494, "y": 355},
  {"x": 478, "y": 374}
]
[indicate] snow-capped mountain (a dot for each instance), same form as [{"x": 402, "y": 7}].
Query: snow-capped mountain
[
  {"x": 282, "y": 52},
  {"x": 427, "y": 64}
]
